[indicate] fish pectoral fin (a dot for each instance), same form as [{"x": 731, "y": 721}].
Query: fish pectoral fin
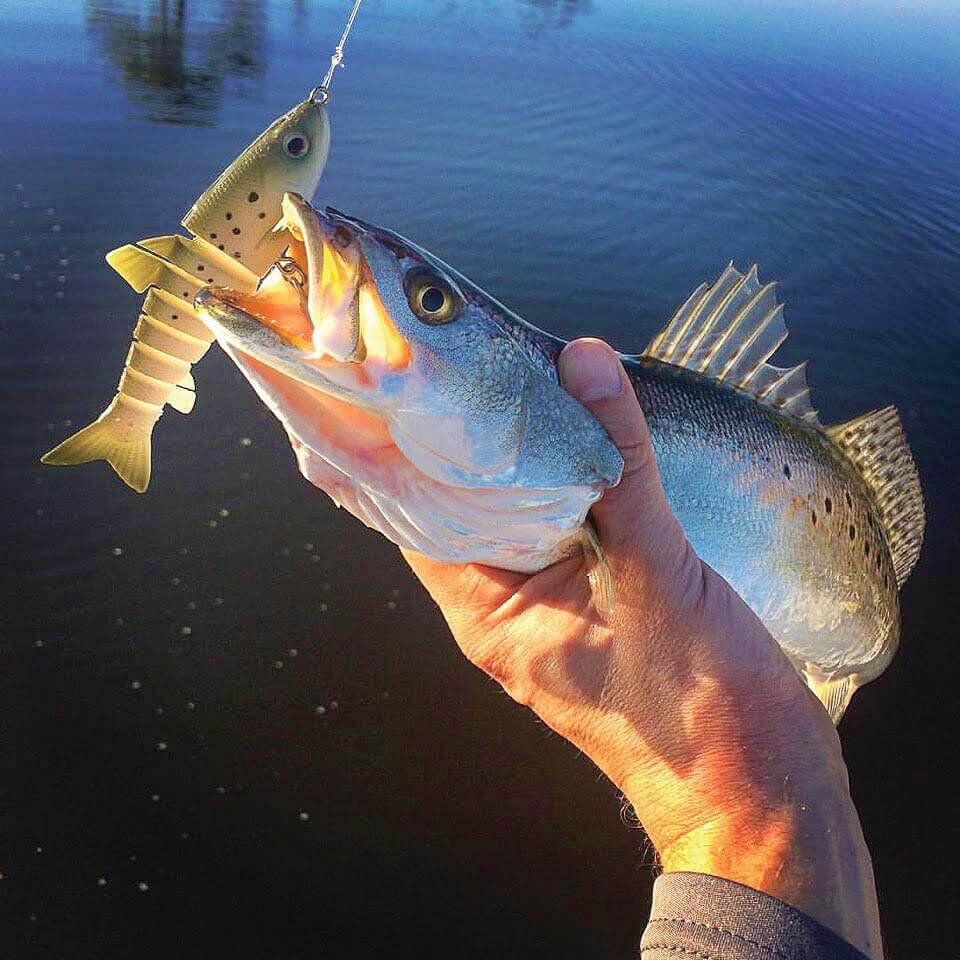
[
  {"x": 121, "y": 436},
  {"x": 598, "y": 571},
  {"x": 833, "y": 694}
]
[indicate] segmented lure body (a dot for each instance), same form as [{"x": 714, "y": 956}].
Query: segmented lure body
[{"x": 233, "y": 242}]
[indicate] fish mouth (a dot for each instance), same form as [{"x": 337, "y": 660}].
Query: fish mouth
[{"x": 319, "y": 300}]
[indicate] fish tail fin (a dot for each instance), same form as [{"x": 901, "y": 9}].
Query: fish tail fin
[
  {"x": 877, "y": 446},
  {"x": 120, "y": 435}
]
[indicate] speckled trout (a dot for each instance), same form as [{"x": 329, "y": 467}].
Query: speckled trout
[
  {"x": 435, "y": 415},
  {"x": 232, "y": 242}
]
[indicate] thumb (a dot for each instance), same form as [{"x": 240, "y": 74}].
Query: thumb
[{"x": 635, "y": 514}]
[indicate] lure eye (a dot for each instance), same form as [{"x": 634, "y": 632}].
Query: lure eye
[
  {"x": 431, "y": 298},
  {"x": 296, "y": 144}
]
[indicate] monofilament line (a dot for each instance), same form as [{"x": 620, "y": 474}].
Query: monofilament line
[{"x": 337, "y": 59}]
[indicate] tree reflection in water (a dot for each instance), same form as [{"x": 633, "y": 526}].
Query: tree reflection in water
[{"x": 175, "y": 66}]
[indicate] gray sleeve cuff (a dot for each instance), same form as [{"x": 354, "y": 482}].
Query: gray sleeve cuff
[{"x": 699, "y": 917}]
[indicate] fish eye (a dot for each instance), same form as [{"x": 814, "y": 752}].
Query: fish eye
[
  {"x": 296, "y": 144},
  {"x": 431, "y": 298}
]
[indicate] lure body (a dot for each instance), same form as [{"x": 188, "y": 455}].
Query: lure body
[{"x": 232, "y": 243}]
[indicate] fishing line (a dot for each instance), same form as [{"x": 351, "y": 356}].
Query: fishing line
[{"x": 321, "y": 94}]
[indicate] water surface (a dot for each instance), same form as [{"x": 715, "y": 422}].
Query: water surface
[{"x": 233, "y": 724}]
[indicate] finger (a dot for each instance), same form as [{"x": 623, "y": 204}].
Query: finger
[{"x": 635, "y": 513}]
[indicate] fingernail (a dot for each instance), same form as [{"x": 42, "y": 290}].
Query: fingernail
[{"x": 590, "y": 370}]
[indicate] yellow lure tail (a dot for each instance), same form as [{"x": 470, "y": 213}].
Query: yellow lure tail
[{"x": 120, "y": 435}]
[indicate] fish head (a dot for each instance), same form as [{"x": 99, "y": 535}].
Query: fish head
[
  {"x": 241, "y": 208},
  {"x": 389, "y": 366}
]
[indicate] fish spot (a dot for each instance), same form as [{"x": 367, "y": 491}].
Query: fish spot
[
  {"x": 236, "y": 231},
  {"x": 173, "y": 316},
  {"x": 878, "y": 560},
  {"x": 786, "y": 470},
  {"x": 236, "y": 253},
  {"x": 213, "y": 236},
  {"x": 200, "y": 267},
  {"x": 886, "y": 580},
  {"x": 828, "y": 503},
  {"x": 228, "y": 216},
  {"x": 813, "y": 517},
  {"x": 253, "y": 196},
  {"x": 852, "y": 531},
  {"x": 849, "y": 500},
  {"x": 261, "y": 215},
  {"x": 866, "y": 548},
  {"x": 219, "y": 246},
  {"x": 186, "y": 293}
]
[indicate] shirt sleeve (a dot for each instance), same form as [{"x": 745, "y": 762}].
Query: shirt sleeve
[{"x": 699, "y": 917}]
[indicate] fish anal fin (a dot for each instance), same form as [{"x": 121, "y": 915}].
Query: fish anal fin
[
  {"x": 877, "y": 446},
  {"x": 120, "y": 435},
  {"x": 727, "y": 332}
]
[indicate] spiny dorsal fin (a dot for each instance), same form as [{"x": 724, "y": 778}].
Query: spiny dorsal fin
[
  {"x": 877, "y": 446},
  {"x": 727, "y": 331}
]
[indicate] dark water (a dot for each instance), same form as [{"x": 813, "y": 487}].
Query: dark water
[{"x": 232, "y": 724}]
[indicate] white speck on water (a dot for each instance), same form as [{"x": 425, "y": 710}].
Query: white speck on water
[
  {"x": 175, "y": 582},
  {"x": 63, "y": 261},
  {"x": 278, "y": 664},
  {"x": 186, "y": 631},
  {"x": 304, "y": 816},
  {"x": 184, "y": 551},
  {"x": 133, "y": 858},
  {"x": 245, "y": 441},
  {"x": 327, "y": 587},
  {"x": 38, "y": 643},
  {"x": 211, "y": 523},
  {"x": 162, "y": 745},
  {"x": 224, "y": 512},
  {"x": 192, "y": 605},
  {"x": 320, "y": 710},
  {"x": 323, "y": 608},
  {"x": 116, "y": 551},
  {"x": 334, "y": 705},
  {"x": 118, "y": 622},
  {"x": 14, "y": 276},
  {"x": 159, "y": 711},
  {"x": 39, "y": 849},
  {"x": 143, "y": 886},
  {"x": 56, "y": 228},
  {"x": 191, "y": 705},
  {"x": 391, "y": 605},
  {"x": 59, "y": 294},
  {"x": 221, "y": 790},
  {"x": 386, "y": 694},
  {"x": 285, "y": 551},
  {"x": 292, "y": 652},
  {"x": 155, "y": 797},
  {"x": 308, "y": 547},
  {"x": 49, "y": 211},
  {"x": 395, "y": 592},
  {"x": 184, "y": 836},
  {"x": 102, "y": 882},
  {"x": 217, "y": 601},
  {"x": 61, "y": 278},
  {"x": 135, "y": 685},
  {"x": 33, "y": 918},
  {"x": 315, "y": 557}
]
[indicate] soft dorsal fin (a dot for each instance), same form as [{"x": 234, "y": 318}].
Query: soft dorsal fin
[
  {"x": 877, "y": 446},
  {"x": 727, "y": 331}
]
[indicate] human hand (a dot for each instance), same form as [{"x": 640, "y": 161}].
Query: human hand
[{"x": 680, "y": 696}]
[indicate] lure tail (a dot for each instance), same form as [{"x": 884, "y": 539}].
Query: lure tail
[{"x": 120, "y": 435}]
